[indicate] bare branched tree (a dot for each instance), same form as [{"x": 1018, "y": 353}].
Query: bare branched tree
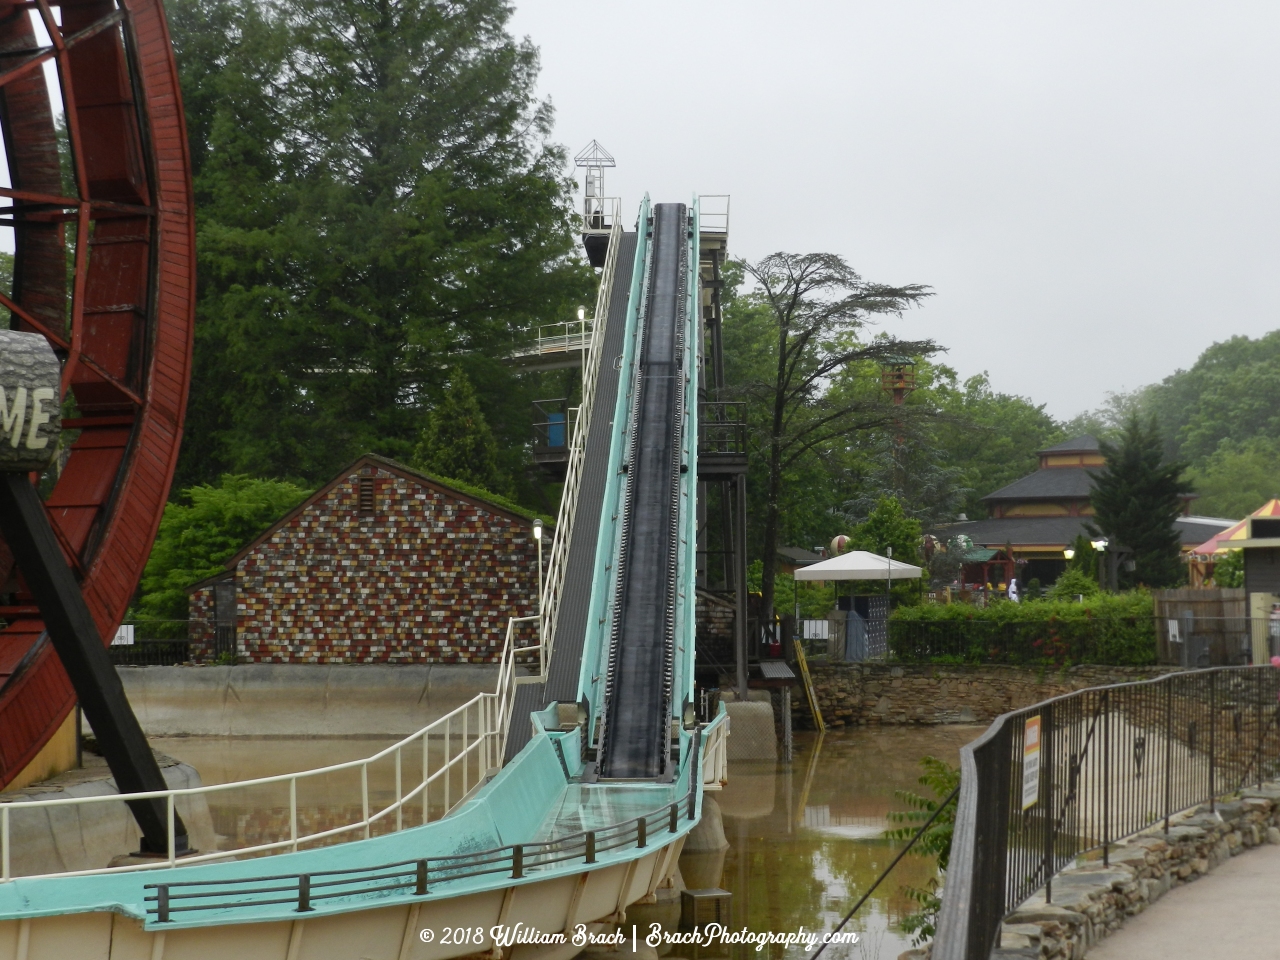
[{"x": 821, "y": 308}]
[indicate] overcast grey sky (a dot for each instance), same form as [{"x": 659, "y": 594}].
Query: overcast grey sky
[{"x": 1091, "y": 188}]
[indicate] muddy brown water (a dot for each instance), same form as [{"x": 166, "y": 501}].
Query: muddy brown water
[{"x": 806, "y": 838}]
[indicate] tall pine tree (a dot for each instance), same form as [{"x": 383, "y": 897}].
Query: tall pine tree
[
  {"x": 1136, "y": 499},
  {"x": 456, "y": 442},
  {"x": 376, "y": 197}
]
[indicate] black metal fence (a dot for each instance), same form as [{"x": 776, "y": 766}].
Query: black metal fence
[
  {"x": 1110, "y": 762},
  {"x": 1118, "y": 641},
  {"x": 170, "y": 642}
]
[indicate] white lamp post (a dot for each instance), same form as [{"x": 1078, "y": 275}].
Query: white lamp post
[
  {"x": 888, "y": 578},
  {"x": 1100, "y": 545},
  {"x": 537, "y": 536}
]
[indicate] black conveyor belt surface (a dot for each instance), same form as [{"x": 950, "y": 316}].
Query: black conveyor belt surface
[
  {"x": 637, "y": 730},
  {"x": 571, "y": 628}
]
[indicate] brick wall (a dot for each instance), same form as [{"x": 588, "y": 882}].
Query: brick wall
[{"x": 429, "y": 577}]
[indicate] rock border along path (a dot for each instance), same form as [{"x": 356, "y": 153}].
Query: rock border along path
[{"x": 1091, "y": 901}]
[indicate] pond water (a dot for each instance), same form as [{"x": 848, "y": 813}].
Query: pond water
[{"x": 806, "y": 837}]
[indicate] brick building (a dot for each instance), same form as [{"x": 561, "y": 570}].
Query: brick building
[{"x": 381, "y": 564}]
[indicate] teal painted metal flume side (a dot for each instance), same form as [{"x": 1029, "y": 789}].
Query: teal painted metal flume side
[
  {"x": 509, "y": 809},
  {"x": 608, "y": 544},
  {"x": 595, "y": 655}
]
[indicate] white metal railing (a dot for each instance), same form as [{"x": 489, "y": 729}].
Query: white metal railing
[
  {"x": 557, "y": 563},
  {"x": 713, "y": 213},
  {"x": 601, "y": 215},
  {"x": 565, "y": 337},
  {"x": 509, "y": 678},
  {"x": 471, "y": 738}
]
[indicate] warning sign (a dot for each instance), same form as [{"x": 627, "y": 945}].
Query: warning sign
[{"x": 1031, "y": 763}]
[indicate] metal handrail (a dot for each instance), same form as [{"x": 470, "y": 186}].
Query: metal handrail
[
  {"x": 1113, "y": 761},
  {"x": 415, "y": 876},
  {"x": 557, "y": 563},
  {"x": 515, "y": 859},
  {"x": 483, "y": 743}
]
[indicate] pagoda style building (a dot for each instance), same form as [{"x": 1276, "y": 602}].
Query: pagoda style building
[{"x": 1034, "y": 519}]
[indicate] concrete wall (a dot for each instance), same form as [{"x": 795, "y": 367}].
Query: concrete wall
[{"x": 292, "y": 700}]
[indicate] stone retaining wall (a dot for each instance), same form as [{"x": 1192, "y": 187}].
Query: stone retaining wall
[
  {"x": 876, "y": 693},
  {"x": 1092, "y": 900}
]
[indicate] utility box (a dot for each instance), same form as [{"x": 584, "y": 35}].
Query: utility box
[{"x": 698, "y": 908}]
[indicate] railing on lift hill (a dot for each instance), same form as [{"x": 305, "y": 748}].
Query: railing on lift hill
[
  {"x": 558, "y": 560},
  {"x": 1111, "y": 761}
]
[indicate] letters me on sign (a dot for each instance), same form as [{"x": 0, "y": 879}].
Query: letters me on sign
[
  {"x": 30, "y": 415},
  {"x": 1031, "y": 763}
]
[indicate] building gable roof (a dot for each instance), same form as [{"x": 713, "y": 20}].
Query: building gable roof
[
  {"x": 1057, "y": 483},
  {"x": 449, "y": 488},
  {"x": 1082, "y": 444}
]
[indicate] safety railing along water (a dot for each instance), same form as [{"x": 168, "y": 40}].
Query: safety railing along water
[
  {"x": 1080, "y": 772},
  {"x": 458, "y": 752},
  {"x": 419, "y": 877},
  {"x": 470, "y": 741}
]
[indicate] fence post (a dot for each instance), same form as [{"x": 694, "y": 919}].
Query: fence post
[
  {"x": 1213, "y": 740},
  {"x": 1106, "y": 779},
  {"x": 591, "y": 846},
  {"x": 1261, "y": 713},
  {"x": 304, "y": 893},
  {"x": 517, "y": 862},
  {"x": 420, "y": 886},
  {"x": 1168, "y": 750},
  {"x": 293, "y": 813},
  {"x": 675, "y": 817},
  {"x": 162, "y": 903},
  {"x": 1046, "y": 738},
  {"x": 364, "y": 797},
  {"x": 642, "y": 833},
  {"x": 4, "y": 838}
]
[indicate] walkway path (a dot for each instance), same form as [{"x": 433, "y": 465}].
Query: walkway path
[{"x": 1231, "y": 912}]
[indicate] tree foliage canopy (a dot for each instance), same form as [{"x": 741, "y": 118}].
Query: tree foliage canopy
[
  {"x": 377, "y": 203},
  {"x": 809, "y": 314},
  {"x": 202, "y": 530},
  {"x": 1136, "y": 499}
]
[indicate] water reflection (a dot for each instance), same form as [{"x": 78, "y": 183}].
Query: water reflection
[{"x": 805, "y": 838}]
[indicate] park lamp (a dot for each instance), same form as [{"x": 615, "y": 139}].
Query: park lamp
[
  {"x": 537, "y": 536},
  {"x": 1100, "y": 544},
  {"x": 582, "y": 313},
  {"x": 1069, "y": 553}
]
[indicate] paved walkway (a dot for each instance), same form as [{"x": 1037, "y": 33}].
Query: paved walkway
[{"x": 1232, "y": 912}]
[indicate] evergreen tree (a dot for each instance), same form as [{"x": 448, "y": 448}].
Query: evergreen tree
[
  {"x": 376, "y": 197},
  {"x": 1136, "y": 499},
  {"x": 456, "y": 442}
]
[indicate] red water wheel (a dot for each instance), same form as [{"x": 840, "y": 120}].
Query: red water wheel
[{"x": 99, "y": 201}]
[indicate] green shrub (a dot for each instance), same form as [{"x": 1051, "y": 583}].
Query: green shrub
[{"x": 1114, "y": 629}]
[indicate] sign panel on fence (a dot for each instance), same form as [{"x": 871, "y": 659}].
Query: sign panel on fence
[
  {"x": 124, "y": 636},
  {"x": 1031, "y": 763},
  {"x": 1174, "y": 637}
]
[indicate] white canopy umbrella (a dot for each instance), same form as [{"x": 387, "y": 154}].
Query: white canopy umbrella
[{"x": 859, "y": 565}]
